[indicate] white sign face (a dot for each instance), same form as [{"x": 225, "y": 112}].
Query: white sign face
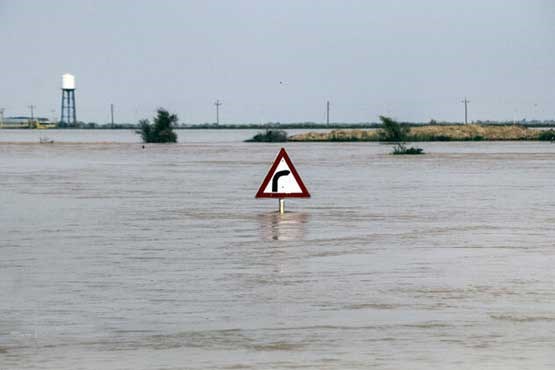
[{"x": 283, "y": 181}]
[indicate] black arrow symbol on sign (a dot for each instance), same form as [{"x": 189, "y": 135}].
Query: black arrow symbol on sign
[{"x": 276, "y": 177}]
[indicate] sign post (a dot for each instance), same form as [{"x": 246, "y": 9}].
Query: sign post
[{"x": 282, "y": 181}]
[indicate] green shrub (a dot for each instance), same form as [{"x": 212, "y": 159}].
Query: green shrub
[
  {"x": 269, "y": 136},
  {"x": 547, "y": 135},
  {"x": 161, "y": 131}
]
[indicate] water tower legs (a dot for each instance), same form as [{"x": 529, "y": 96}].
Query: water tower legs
[{"x": 69, "y": 114}]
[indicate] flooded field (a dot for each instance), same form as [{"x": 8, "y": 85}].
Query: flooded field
[
  {"x": 130, "y": 136},
  {"x": 117, "y": 257}
]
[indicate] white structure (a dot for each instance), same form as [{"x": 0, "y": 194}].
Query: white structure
[
  {"x": 68, "y": 82},
  {"x": 69, "y": 114}
]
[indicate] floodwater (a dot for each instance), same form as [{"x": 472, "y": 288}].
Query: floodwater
[
  {"x": 130, "y": 136},
  {"x": 117, "y": 257}
]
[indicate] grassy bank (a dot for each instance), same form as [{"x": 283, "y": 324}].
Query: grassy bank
[{"x": 436, "y": 133}]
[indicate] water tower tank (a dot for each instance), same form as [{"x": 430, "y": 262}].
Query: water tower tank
[{"x": 68, "y": 82}]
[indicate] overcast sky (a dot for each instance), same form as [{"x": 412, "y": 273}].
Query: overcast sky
[{"x": 281, "y": 60}]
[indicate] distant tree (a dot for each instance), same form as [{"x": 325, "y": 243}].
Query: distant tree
[
  {"x": 161, "y": 130},
  {"x": 393, "y": 130}
]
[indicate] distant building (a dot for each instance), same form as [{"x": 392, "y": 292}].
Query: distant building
[{"x": 26, "y": 122}]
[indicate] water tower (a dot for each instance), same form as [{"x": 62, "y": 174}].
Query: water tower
[{"x": 69, "y": 115}]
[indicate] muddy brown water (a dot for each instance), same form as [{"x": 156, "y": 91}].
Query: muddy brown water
[{"x": 118, "y": 257}]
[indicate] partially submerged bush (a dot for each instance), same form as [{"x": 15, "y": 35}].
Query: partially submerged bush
[
  {"x": 394, "y": 131},
  {"x": 547, "y": 135},
  {"x": 269, "y": 136},
  {"x": 401, "y": 148},
  {"x": 161, "y": 131}
]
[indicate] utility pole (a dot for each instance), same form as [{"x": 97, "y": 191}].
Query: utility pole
[
  {"x": 1, "y": 117},
  {"x": 465, "y": 101},
  {"x": 32, "y": 108},
  {"x": 217, "y": 104},
  {"x": 328, "y": 113},
  {"x": 112, "y": 114}
]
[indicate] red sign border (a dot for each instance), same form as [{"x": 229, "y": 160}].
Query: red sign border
[{"x": 304, "y": 192}]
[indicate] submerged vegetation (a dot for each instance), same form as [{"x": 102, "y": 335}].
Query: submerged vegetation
[
  {"x": 401, "y": 148},
  {"x": 548, "y": 135},
  {"x": 393, "y": 131},
  {"x": 269, "y": 136},
  {"x": 161, "y": 130}
]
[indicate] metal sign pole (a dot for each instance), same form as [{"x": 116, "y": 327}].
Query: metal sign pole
[{"x": 281, "y": 205}]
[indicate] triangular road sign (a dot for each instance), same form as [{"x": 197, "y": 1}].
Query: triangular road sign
[{"x": 283, "y": 180}]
